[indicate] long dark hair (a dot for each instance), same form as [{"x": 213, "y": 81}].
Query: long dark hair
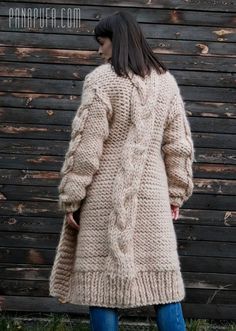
[{"x": 130, "y": 49}]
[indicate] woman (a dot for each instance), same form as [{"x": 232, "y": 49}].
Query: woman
[{"x": 127, "y": 171}]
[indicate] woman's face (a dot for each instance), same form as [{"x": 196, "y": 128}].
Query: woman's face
[{"x": 105, "y": 48}]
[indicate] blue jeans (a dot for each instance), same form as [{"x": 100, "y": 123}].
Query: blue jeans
[{"x": 169, "y": 317}]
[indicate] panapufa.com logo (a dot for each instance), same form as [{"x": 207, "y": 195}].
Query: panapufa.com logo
[{"x": 44, "y": 17}]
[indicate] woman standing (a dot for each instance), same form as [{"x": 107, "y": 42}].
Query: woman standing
[{"x": 127, "y": 171}]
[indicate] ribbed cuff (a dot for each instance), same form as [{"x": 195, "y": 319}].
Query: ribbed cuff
[
  {"x": 176, "y": 201},
  {"x": 68, "y": 207}
]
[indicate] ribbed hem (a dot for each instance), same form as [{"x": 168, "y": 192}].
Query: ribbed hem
[{"x": 98, "y": 289}]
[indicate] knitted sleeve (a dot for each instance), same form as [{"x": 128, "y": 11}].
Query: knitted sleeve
[
  {"x": 90, "y": 128},
  {"x": 178, "y": 150}
]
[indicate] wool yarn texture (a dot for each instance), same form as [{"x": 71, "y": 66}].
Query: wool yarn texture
[{"x": 129, "y": 158}]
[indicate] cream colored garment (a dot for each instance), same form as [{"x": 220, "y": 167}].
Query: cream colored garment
[{"x": 129, "y": 158}]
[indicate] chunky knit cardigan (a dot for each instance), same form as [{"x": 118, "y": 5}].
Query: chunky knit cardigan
[{"x": 129, "y": 158}]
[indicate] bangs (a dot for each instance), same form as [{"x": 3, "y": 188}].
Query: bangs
[{"x": 103, "y": 29}]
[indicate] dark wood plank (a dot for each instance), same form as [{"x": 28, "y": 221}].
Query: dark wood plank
[
  {"x": 52, "y": 102},
  {"x": 212, "y": 112},
  {"x": 210, "y": 109},
  {"x": 22, "y": 272},
  {"x": 186, "y": 248},
  {"x": 219, "y": 294},
  {"x": 184, "y": 232},
  {"x": 173, "y": 4},
  {"x": 34, "y": 85},
  {"x": 49, "y": 304},
  {"x": 209, "y": 264},
  {"x": 164, "y": 31},
  {"x": 41, "y": 70},
  {"x": 192, "y": 280},
  {"x": 43, "y": 179},
  {"x": 23, "y": 194},
  {"x": 189, "y": 263},
  {"x": 39, "y": 116},
  {"x": 44, "y": 101},
  {"x": 74, "y": 87},
  {"x": 30, "y": 131},
  {"x": 29, "y": 178},
  {"x": 90, "y": 58},
  {"x": 207, "y": 217},
  {"x": 38, "y": 304},
  {"x": 23, "y": 288},
  {"x": 73, "y": 72},
  {"x": 32, "y": 256},
  {"x": 211, "y": 140},
  {"x": 142, "y": 15},
  {"x": 30, "y": 209},
  {"x": 214, "y": 186},
  {"x": 32, "y": 162},
  {"x": 48, "y": 178},
  {"x": 204, "y": 248},
  {"x": 33, "y": 147},
  {"x": 51, "y": 146},
  {"x": 164, "y": 46},
  {"x": 213, "y": 171},
  {"x": 35, "y": 224},
  {"x": 188, "y": 217},
  {"x": 210, "y": 311},
  {"x": 30, "y": 240},
  {"x": 204, "y": 232},
  {"x": 222, "y": 127},
  {"x": 49, "y": 209},
  {"x": 223, "y": 159}
]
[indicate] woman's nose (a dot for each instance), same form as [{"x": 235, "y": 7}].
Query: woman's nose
[{"x": 99, "y": 51}]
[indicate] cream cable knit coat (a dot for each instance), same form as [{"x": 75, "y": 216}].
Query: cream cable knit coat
[{"x": 129, "y": 158}]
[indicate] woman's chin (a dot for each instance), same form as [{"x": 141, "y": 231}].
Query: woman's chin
[{"x": 107, "y": 60}]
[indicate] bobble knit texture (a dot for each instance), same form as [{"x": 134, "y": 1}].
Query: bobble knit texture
[{"x": 130, "y": 156}]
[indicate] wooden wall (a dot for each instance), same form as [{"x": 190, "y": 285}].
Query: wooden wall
[{"x": 42, "y": 70}]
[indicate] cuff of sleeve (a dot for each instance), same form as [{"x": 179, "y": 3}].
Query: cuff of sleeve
[
  {"x": 68, "y": 207},
  {"x": 176, "y": 201}
]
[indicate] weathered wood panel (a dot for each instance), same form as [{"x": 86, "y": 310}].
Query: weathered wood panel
[
  {"x": 224, "y": 6},
  {"x": 143, "y": 15},
  {"x": 63, "y": 73},
  {"x": 150, "y": 31},
  {"x": 45, "y": 304},
  {"x": 42, "y": 72},
  {"x": 61, "y": 56},
  {"x": 86, "y": 42}
]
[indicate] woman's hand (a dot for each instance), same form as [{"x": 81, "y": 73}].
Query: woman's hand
[
  {"x": 71, "y": 221},
  {"x": 175, "y": 212}
]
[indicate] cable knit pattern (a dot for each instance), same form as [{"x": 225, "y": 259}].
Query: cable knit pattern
[
  {"x": 78, "y": 167},
  {"x": 178, "y": 150},
  {"x": 130, "y": 156}
]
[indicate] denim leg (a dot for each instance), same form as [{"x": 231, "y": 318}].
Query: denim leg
[
  {"x": 103, "y": 318},
  {"x": 169, "y": 317}
]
